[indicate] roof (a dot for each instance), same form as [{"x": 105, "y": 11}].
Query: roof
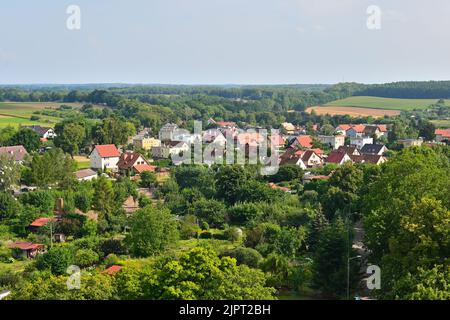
[
  {"x": 371, "y": 130},
  {"x": 317, "y": 177},
  {"x": 226, "y": 123},
  {"x": 128, "y": 159},
  {"x": 358, "y": 128},
  {"x": 38, "y": 129},
  {"x": 84, "y": 173},
  {"x": 112, "y": 270},
  {"x": 107, "y": 150},
  {"x": 442, "y": 132},
  {"x": 382, "y": 127},
  {"x": 308, "y": 154},
  {"x": 26, "y": 245},
  {"x": 305, "y": 141},
  {"x": 344, "y": 127},
  {"x": 277, "y": 140},
  {"x": 144, "y": 167},
  {"x": 250, "y": 138},
  {"x": 276, "y": 187},
  {"x": 40, "y": 222},
  {"x": 288, "y": 126},
  {"x": 372, "y": 148},
  {"x": 336, "y": 156},
  {"x": 318, "y": 151},
  {"x": 370, "y": 158},
  {"x": 17, "y": 152},
  {"x": 348, "y": 149}
]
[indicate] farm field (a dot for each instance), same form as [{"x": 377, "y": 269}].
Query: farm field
[
  {"x": 19, "y": 113},
  {"x": 384, "y": 103},
  {"x": 353, "y": 111}
]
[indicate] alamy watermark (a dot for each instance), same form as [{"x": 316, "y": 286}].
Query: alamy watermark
[
  {"x": 374, "y": 19},
  {"x": 73, "y": 22}
]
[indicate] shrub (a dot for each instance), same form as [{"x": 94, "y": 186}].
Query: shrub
[{"x": 86, "y": 258}]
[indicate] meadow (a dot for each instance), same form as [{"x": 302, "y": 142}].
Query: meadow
[
  {"x": 19, "y": 113},
  {"x": 384, "y": 103}
]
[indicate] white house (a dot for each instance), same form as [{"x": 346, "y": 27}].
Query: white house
[
  {"x": 43, "y": 132},
  {"x": 332, "y": 141},
  {"x": 359, "y": 142},
  {"x": 105, "y": 157}
]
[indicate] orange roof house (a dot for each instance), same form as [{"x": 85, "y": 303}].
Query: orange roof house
[
  {"x": 107, "y": 150},
  {"x": 303, "y": 141},
  {"x": 139, "y": 168},
  {"x": 112, "y": 270}
]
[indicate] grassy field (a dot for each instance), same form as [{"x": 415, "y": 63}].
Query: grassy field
[
  {"x": 384, "y": 103},
  {"x": 19, "y": 113},
  {"x": 441, "y": 123}
]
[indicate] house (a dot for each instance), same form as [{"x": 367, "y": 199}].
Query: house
[
  {"x": 342, "y": 129},
  {"x": 371, "y": 131},
  {"x": 85, "y": 175},
  {"x": 303, "y": 141},
  {"x": 359, "y": 142},
  {"x": 214, "y": 136},
  {"x": 145, "y": 142},
  {"x": 368, "y": 158},
  {"x": 383, "y": 130},
  {"x": 43, "y": 132},
  {"x": 288, "y": 127},
  {"x": 375, "y": 149},
  {"x": 250, "y": 139},
  {"x": 332, "y": 141},
  {"x": 112, "y": 270},
  {"x": 170, "y": 148},
  {"x": 105, "y": 156},
  {"x": 311, "y": 158},
  {"x": 139, "y": 168},
  {"x": 26, "y": 249},
  {"x": 295, "y": 160},
  {"x": 350, "y": 150},
  {"x": 226, "y": 124},
  {"x": 167, "y": 132},
  {"x": 277, "y": 142},
  {"x": 356, "y": 131},
  {"x": 276, "y": 187},
  {"x": 37, "y": 224},
  {"x": 129, "y": 159},
  {"x": 406, "y": 143},
  {"x": 18, "y": 153},
  {"x": 302, "y": 158},
  {"x": 338, "y": 157},
  {"x": 442, "y": 135}
]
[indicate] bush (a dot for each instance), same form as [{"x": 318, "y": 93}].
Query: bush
[
  {"x": 233, "y": 234},
  {"x": 57, "y": 259},
  {"x": 86, "y": 258},
  {"x": 115, "y": 246},
  {"x": 205, "y": 235},
  {"x": 110, "y": 260},
  {"x": 244, "y": 255}
]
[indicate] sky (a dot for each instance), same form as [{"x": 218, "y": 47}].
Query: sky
[{"x": 224, "y": 41}]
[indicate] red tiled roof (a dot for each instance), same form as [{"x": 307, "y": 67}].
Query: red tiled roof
[
  {"x": 144, "y": 167},
  {"x": 344, "y": 127},
  {"x": 17, "y": 152},
  {"x": 442, "y": 132},
  {"x": 277, "y": 140},
  {"x": 336, "y": 156},
  {"x": 226, "y": 123},
  {"x": 317, "y": 151},
  {"x": 26, "y": 245},
  {"x": 107, "y": 150},
  {"x": 359, "y": 128},
  {"x": 304, "y": 141},
  {"x": 40, "y": 222},
  {"x": 250, "y": 138},
  {"x": 382, "y": 127},
  {"x": 112, "y": 270},
  {"x": 128, "y": 159}
]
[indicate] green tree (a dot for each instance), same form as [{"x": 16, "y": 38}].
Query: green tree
[
  {"x": 27, "y": 138},
  {"x": 57, "y": 260},
  {"x": 70, "y": 137},
  {"x": 151, "y": 231},
  {"x": 209, "y": 210}
]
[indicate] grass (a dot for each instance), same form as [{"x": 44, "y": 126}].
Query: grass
[
  {"x": 385, "y": 103},
  {"x": 16, "y": 267},
  {"x": 82, "y": 162},
  {"x": 441, "y": 123},
  {"x": 19, "y": 113}
]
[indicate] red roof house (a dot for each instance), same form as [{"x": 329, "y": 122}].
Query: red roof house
[
  {"x": 338, "y": 157},
  {"x": 112, "y": 270},
  {"x": 304, "y": 141},
  {"x": 28, "y": 249}
]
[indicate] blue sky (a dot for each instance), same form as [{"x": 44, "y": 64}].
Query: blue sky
[{"x": 223, "y": 41}]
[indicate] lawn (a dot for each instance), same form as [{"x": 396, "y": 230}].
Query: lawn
[
  {"x": 82, "y": 162},
  {"x": 384, "y": 103}
]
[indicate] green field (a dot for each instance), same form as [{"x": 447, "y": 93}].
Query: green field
[
  {"x": 441, "y": 123},
  {"x": 384, "y": 103},
  {"x": 19, "y": 113}
]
